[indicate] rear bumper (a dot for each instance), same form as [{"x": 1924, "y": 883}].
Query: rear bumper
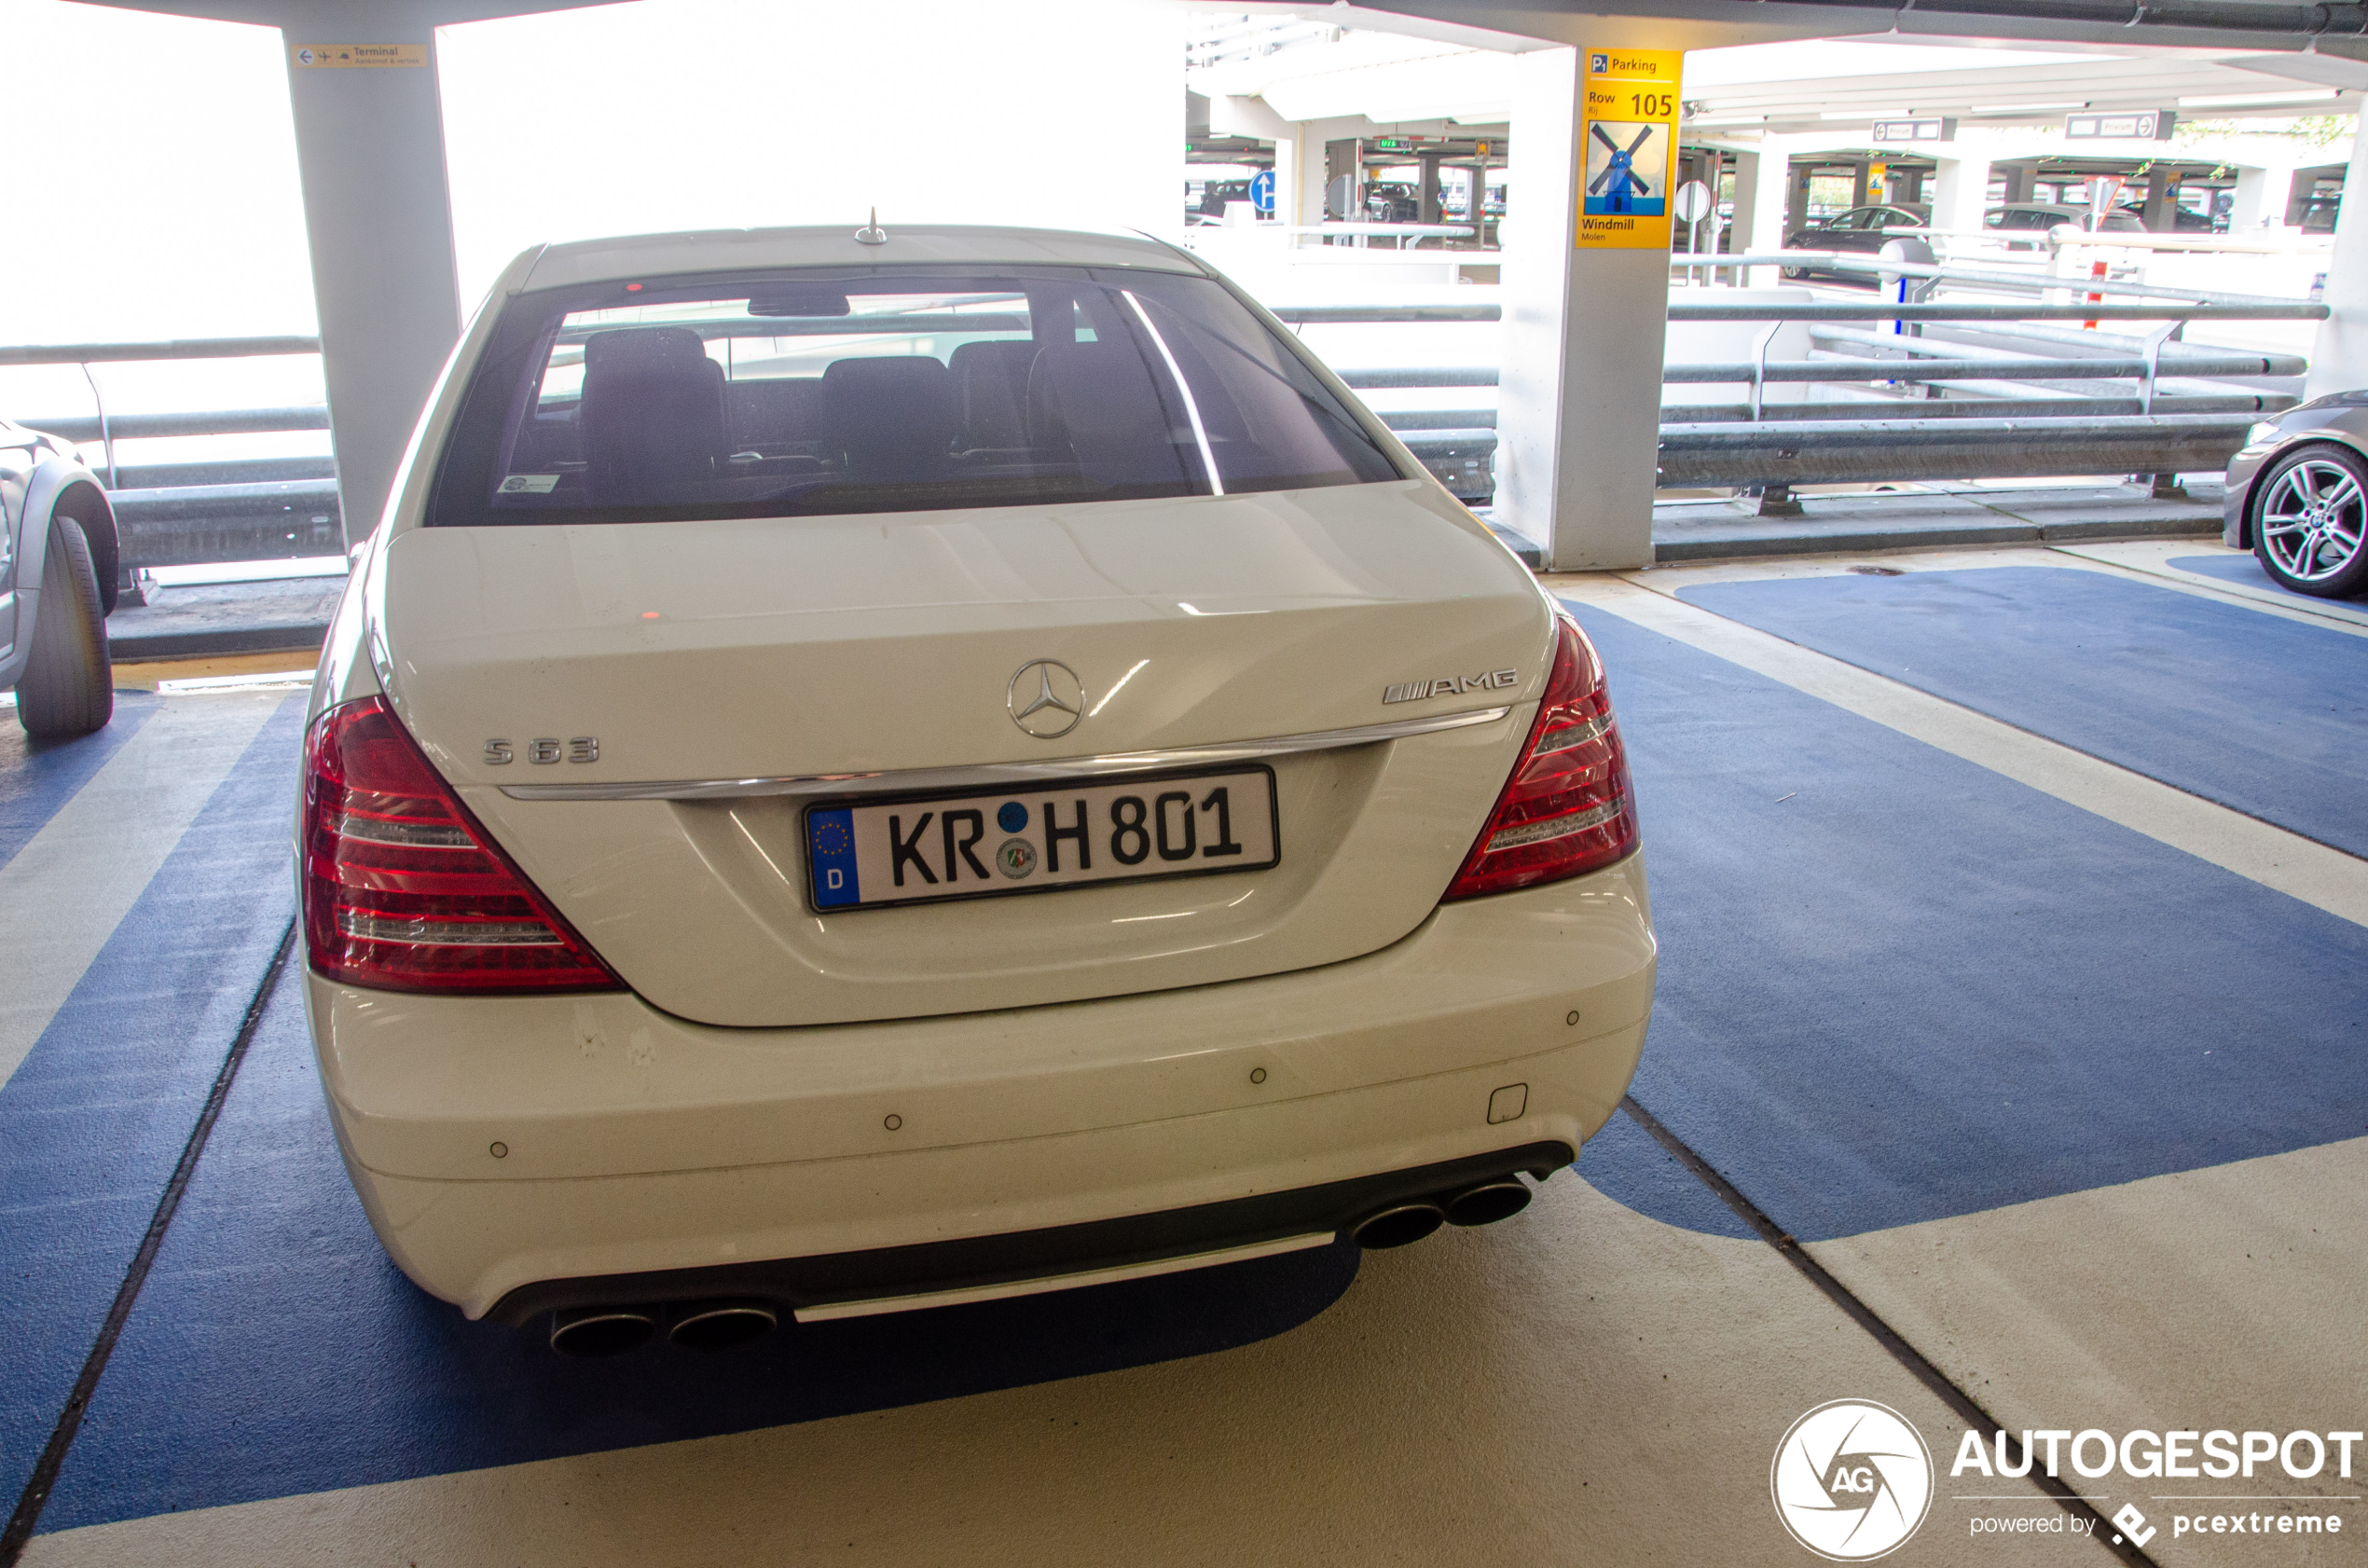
[{"x": 634, "y": 1144}]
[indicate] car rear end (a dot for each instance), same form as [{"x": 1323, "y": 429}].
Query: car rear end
[{"x": 859, "y": 777}]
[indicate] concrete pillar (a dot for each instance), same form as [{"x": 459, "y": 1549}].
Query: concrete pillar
[
  {"x": 1579, "y": 406},
  {"x": 2261, "y": 199},
  {"x": 1760, "y": 216},
  {"x": 2339, "y": 357},
  {"x": 1285, "y": 179},
  {"x": 2017, "y": 182},
  {"x": 1426, "y": 190},
  {"x": 1962, "y": 193},
  {"x": 2162, "y": 194},
  {"x": 1858, "y": 187},
  {"x": 1797, "y": 195},
  {"x": 378, "y": 217}
]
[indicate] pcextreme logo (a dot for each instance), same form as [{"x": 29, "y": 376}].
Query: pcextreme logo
[{"x": 1852, "y": 1480}]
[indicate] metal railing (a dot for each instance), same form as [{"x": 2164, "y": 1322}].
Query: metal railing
[
  {"x": 175, "y": 514},
  {"x": 1953, "y": 390},
  {"x": 1915, "y": 388}
]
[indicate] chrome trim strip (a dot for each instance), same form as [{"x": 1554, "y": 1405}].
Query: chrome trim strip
[
  {"x": 989, "y": 775},
  {"x": 873, "y": 1306}
]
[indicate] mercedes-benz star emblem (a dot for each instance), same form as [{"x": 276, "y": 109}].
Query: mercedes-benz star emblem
[{"x": 1046, "y": 699}]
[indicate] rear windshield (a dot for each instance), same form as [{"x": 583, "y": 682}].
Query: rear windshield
[{"x": 808, "y": 393}]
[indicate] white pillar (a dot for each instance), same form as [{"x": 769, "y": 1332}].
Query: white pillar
[
  {"x": 1579, "y": 402},
  {"x": 1962, "y": 193},
  {"x": 2261, "y": 198},
  {"x": 378, "y": 219},
  {"x": 1286, "y": 179},
  {"x": 1759, "y": 205},
  {"x": 2339, "y": 357}
]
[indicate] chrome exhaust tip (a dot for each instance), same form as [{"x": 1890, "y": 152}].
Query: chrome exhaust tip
[
  {"x": 713, "y": 1326},
  {"x": 1398, "y": 1225},
  {"x": 595, "y": 1331},
  {"x": 1488, "y": 1202}
]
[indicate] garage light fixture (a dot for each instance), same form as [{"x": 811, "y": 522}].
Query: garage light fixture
[
  {"x": 2232, "y": 100},
  {"x": 2028, "y": 108},
  {"x": 1867, "y": 114}
]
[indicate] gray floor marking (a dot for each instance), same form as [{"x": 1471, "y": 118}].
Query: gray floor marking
[
  {"x": 1968, "y": 1408},
  {"x": 2299, "y": 867}
]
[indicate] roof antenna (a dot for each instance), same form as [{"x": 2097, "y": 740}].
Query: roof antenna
[{"x": 872, "y": 233}]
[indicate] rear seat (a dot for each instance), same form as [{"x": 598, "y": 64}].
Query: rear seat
[{"x": 775, "y": 416}]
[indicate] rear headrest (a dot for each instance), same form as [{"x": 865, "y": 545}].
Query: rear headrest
[
  {"x": 652, "y": 415},
  {"x": 626, "y": 350},
  {"x": 893, "y": 415},
  {"x": 1100, "y": 397},
  {"x": 991, "y": 380}
]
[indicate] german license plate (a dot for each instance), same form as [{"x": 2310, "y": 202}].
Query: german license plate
[{"x": 1040, "y": 838}]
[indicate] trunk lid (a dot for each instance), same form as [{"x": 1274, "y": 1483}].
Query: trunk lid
[{"x": 710, "y": 653}]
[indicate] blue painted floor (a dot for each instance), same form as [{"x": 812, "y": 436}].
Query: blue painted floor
[
  {"x": 2265, "y": 715},
  {"x": 1895, "y": 987}
]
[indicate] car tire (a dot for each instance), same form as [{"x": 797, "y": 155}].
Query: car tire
[
  {"x": 68, "y": 684},
  {"x": 2309, "y": 521},
  {"x": 1795, "y": 273}
]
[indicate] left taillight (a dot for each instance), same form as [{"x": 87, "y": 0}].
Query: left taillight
[
  {"x": 1568, "y": 808},
  {"x": 403, "y": 891}
]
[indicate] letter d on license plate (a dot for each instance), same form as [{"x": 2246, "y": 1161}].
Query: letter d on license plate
[{"x": 1039, "y": 838}]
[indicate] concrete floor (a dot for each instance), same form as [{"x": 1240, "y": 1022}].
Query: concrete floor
[{"x": 1887, "y": 913}]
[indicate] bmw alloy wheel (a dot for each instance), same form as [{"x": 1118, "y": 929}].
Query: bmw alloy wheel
[{"x": 2309, "y": 526}]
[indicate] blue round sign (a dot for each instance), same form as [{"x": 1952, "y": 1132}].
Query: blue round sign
[
  {"x": 1012, "y": 817},
  {"x": 1262, "y": 190}
]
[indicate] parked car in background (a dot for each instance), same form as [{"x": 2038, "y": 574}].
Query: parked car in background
[
  {"x": 2182, "y": 221},
  {"x": 58, "y": 556},
  {"x": 1859, "y": 228},
  {"x": 1392, "y": 202},
  {"x": 2297, "y": 496},
  {"x": 864, "y": 771},
  {"x": 2036, "y": 218},
  {"x": 1216, "y": 194}
]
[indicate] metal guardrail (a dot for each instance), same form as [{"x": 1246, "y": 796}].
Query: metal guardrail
[
  {"x": 1905, "y": 425},
  {"x": 177, "y": 514},
  {"x": 176, "y": 347}
]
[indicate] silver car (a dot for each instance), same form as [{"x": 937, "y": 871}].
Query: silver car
[
  {"x": 2298, "y": 496},
  {"x": 58, "y": 555}
]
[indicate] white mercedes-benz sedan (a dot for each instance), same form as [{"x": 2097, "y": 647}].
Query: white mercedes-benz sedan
[{"x": 867, "y": 771}]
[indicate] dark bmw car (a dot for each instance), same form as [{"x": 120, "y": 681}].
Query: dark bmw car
[{"x": 1860, "y": 229}]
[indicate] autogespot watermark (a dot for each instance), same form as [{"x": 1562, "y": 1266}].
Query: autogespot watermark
[
  {"x": 1851, "y": 1479},
  {"x": 2217, "y": 1454}
]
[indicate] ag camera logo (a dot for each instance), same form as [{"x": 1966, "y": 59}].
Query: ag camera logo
[{"x": 1852, "y": 1480}]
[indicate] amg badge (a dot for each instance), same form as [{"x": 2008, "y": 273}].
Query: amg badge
[{"x": 1451, "y": 685}]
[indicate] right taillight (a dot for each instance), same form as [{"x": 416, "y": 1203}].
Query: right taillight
[
  {"x": 403, "y": 891},
  {"x": 1568, "y": 808}
]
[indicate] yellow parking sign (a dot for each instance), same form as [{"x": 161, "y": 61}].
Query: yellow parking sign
[{"x": 1628, "y": 134}]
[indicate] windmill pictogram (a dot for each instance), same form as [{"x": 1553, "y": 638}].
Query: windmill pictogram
[{"x": 1619, "y": 184}]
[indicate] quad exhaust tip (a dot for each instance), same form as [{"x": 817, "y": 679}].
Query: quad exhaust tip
[
  {"x": 1399, "y": 1225},
  {"x": 713, "y": 1326},
  {"x": 589, "y": 1332},
  {"x": 1488, "y": 1202}
]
